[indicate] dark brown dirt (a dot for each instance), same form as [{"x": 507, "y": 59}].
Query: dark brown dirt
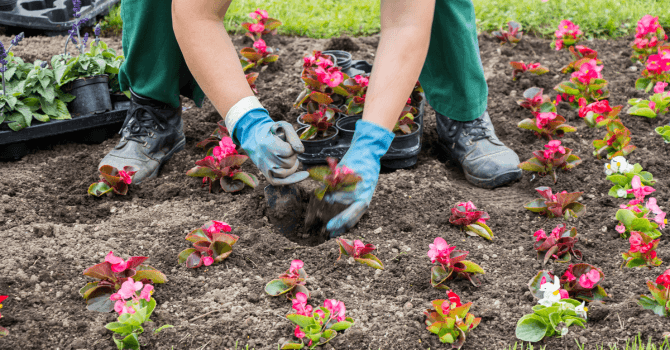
[{"x": 52, "y": 230}]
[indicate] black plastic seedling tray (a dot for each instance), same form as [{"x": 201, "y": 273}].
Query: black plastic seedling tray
[
  {"x": 90, "y": 128},
  {"x": 51, "y": 15}
]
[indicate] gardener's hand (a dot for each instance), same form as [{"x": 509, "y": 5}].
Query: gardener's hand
[
  {"x": 369, "y": 144},
  {"x": 272, "y": 146}
]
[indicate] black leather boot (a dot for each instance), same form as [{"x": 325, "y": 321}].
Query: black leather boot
[
  {"x": 486, "y": 161},
  {"x": 151, "y": 134}
]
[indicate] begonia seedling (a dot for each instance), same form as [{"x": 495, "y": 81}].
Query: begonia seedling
[
  {"x": 579, "y": 281},
  {"x": 354, "y": 89},
  {"x": 333, "y": 178},
  {"x": 552, "y": 158},
  {"x": 559, "y": 244},
  {"x": 263, "y": 25},
  {"x": 520, "y": 68},
  {"x": 112, "y": 180},
  {"x": 251, "y": 80},
  {"x": 621, "y": 174},
  {"x": 112, "y": 273},
  {"x": 642, "y": 251},
  {"x": 211, "y": 242},
  {"x": 323, "y": 82},
  {"x": 616, "y": 142},
  {"x": 664, "y": 131},
  {"x": 562, "y": 204},
  {"x": 534, "y": 99},
  {"x": 659, "y": 303},
  {"x": 635, "y": 217},
  {"x": 512, "y": 35},
  {"x": 3, "y": 330},
  {"x": 361, "y": 252},
  {"x": 257, "y": 56},
  {"x": 405, "y": 123},
  {"x": 598, "y": 113},
  {"x": 319, "y": 123},
  {"x": 657, "y": 69},
  {"x": 566, "y": 35},
  {"x": 450, "y": 320},
  {"x": 222, "y": 164},
  {"x": 649, "y": 35},
  {"x": 581, "y": 54},
  {"x": 452, "y": 265},
  {"x": 290, "y": 282},
  {"x": 134, "y": 304},
  {"x": 658, "y": 103},
  {"x": 465, "y": 215},
  {"x": 547, "y": 124},
  {"x": 318, "y": 325},
  {"x": 586, "y": 83}
]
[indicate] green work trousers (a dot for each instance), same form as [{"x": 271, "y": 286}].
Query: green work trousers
[
  {"x": 154, "y": 66},
  {"x": 453, "y": 75}
]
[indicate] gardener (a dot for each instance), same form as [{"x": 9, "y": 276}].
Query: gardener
[{"x": 444, "y": 56}]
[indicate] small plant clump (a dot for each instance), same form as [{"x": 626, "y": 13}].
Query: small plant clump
[
  {"x": 3, "y": 330},
  {"x": 621, "y": 174},
  {"x": 552, "y": 158},
  {"x": 262, "y": 25},
  {"x": 657, "y": 70},
  {"x": 211, "y": 244},
  {"x": 579, "y": 281},
  {"x": 356, "y": 89},
  {"x": 290, "y": 282},
  {"x": 658, "y": 103},
  {"x": 659, "y": 303},
  {"x": 520, "y": 68},
  {"x": 585, "y": 83},
  {"x": 598, "y": 113},
  {"x": 471, "y": 220},
  {"x": 512, "y": 35},
  {"x": 615, "y": 143},
  {"x": 635, "y": 217},
  {"x": 450, "y": 320},
  {"x": 112, "y": 180},
  {"x": 664, "y": 131},
  {"x": 452, "y": 265},
  {"x": 581, "y": 54},
  {"x": 566, "y": 35},
  {"x": 642, "y": 251},
  {"x": 649, "y": 37},
  {"x": 546, "y": 122},
  {"x": 562, "y": 204},
  {"x": 560, "y": 244},
  {"x": 259, "y": 55},
  {"x": 361, "y": 252},
  {"x": 317, "y": 326},
  {"x": 333, "y": 178}
]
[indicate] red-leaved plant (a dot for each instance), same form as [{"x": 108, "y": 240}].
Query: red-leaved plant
[
  {"x": 566, "y": 35},
  {"x": 616, "y": 142},
  {"x": 520, "y": 68},
  {"x": 553, "y": 157},
  {"x": 452, "y": 265},
  {"x": 355, "y": 88},
  {"x": 450, "y": 320},
  {"x": 649, "y": 36},
  {"x": 333, "y": 178},
  {"x": 222, "y": 164},
  {"x": 657, "y": 69},
  {"x": 112, "y": 180},
  {"x": 290, "y": 282},
  {"x": 581, "y": 54},
  {"x": 533, "y": 99},
  {"x": 512, "y": 35},
  {"x": 405, "y": 123},
  {"x": 581, "y": 281},
  {"x": 211, "y": 244},
  {"x": 598, "y": 113},
  {"x": 111, "y": 274},
  {"x": 3, "y": 330},
  {"x": 318, "y": 326},
  {"x": 585, "y": 83},
  {"x": 361, "y": 252},
  {"x": 319, "y": 122},
  {"x": 262, "y": 25},
  {"x": 562, "y": 204},
  {"x": 251, "y": 80},
  {"x": 322, "y": 81},
  {"x": 642, "y": 251},
  {"x": 659, "y": 303},
  {"x": 260, "y": 55},
  {"x": 471, "y": 220},
  {"x": 545, "y": 122},
  {"x": 560, "y": 244}
]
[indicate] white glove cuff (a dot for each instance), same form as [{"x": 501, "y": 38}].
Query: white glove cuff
[{"x": 239, "y": 110}]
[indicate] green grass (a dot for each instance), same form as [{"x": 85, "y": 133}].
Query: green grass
[
  {"x": 112, "y": 23},
  {"x": 636, "y": 344}
]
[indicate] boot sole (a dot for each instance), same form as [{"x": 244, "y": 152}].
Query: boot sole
[
  {"x": 177, "y": 148},
  {"x": 490, "y": 183}
]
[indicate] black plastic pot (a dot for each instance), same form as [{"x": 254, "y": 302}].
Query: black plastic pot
[
  {"x": 358, "y": 68},
  {"x": 342, "y": 58},
  {"x": 7, "y": 5},
  {"x": 313, "y": 147},
  {"x": 92, "y": 95}
]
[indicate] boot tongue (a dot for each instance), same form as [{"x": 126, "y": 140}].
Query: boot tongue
[
  {"x": 144, "y": 119},
  {"x": 476, "y": 128}
]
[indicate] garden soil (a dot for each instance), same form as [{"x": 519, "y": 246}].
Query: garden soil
[{"x": 52, "y": 230}]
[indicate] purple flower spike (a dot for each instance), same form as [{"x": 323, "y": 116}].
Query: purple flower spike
[
  {"x": 76, "y": 7},
  {"x": 74, "y": 39},
  {"x": 17, "y": 39},
  {"x": 83, "y": 41},
  {"x": 97, "y": 30}
]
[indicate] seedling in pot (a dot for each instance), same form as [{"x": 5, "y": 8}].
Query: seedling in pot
[
  {"x": 42, "y": 92},
  {"x": 316, "y": 326},
  {"x": 289, "y": 283},
  {"x": 404, "y": 124},
  {"x": 322, "y": 80},
  {"x": 361, "y": 253},
  {"x": 452, "y": 265},
  {"x": 616, "y": 142},
  {"x": 112, "y": 180},
  {"x": 598, "y": 113},
  {"x": 211, "y": 242},
  {"x": 621, "y": 174},
  {"x": 3, "y": 330},
  {"x": 659, "y": 303},
  {"x": 566, "y": 35},
  {"x": 658, "y": 103},
  {"x": 112, "y": 273},
  {"x": 585, "y": 83},
  {"x": 657, "y": 69},
  {"x": 512, "y": 35},
  {"x": 560, "y": 244},
  {"x": 222, "y": 164},
  {"x": 134, "y": 304},
  {"x": 582, "y": 54},
  {"x": 642, "y": 251},
  {"x": 471, "y": 220},
  {"x": 552, "y": 158},
  {"x": 319, "y": 123},
  {"x": 355, "y": 88},
  {"x": 262, "y": 25},
  {"x": 649, "y": 36},
  {"x": 451, "y": 320},
  {"x": 3, "y": 58},
  {"x": 520, "y": 68},
  {"x": 562, "y": 204}
]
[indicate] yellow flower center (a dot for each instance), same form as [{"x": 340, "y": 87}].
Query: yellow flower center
[
  {"x": 556, "y": 292},
  {"x": 618, "y": 164},
  {"x": 0, "y": 306},
  {"x": 586, "y": 308},
  {"x": 665, "y": 221},
  {"x": 609, "y": 166},
  {"x": 565, "y": 27}
]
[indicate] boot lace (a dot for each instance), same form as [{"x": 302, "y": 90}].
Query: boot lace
[
  {"x": 475, "y": 128},
  {"x": 142, "y": 121}
]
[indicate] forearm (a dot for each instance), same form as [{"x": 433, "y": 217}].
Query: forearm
[
  {"x": 405, "y": 36},
  {"x": 209, "y": 51}
]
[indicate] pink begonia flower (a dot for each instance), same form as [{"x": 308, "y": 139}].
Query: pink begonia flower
[
  {"x": 259, "y": 14},
  {"x": 260, "y": 46},
  {"x": 588, "y": 71},
  {"x": 257, "y": 27},
  {"x": 296, "y": 265},
  {"x": 568, "y": 28},
  {"x": 571, "y": 98},
  {"x": 569, "y": 276},
  {"x": 324, "y": 63},
  {"x": 558, "y": 99},
  {"x": 664, "y": 279},
  {"x": 216, "y": 227},
  {"x": 543, "y": 118},
  {"x": 557, "y": 231},
  {"x": 440, "y": 251},
  {"x": 308, "y": 61},
  {"x": 127, "y": 290},
  {"x": 540, "y": 234},
  {"x": 564, "y": 294},
  {"x": 659, "y": 214},
  {"x": 454, "y": 298},
  {"x": 121, "y": 307},
  {"x": 620, "y": 228},
  {"x": 300, "y": 305},
  {"x": 118, "y": 264},
  {"x": 652, "y": 105},
  {"x": 207, "y": 260},
  {"x": 647, "y": 24},
  {"x": 611, "y": 140},
  {"x": 638, "y": 189},
  {"x": 361, "y": 249},
  {"x": 320, "y": 313},
  {"x": 660, "y": 87},
  {"x": 554, "y": 146},
  {"x": 336, "y": 308},
  {"x": 361, "y": 80},
  {"x": 125, "y": 177},
  {"x": 559, "y": 44},
  {"x": 298, "y": 333},
  {"x": 589, "y": 279},
  {"x": 146, "y": 292},
  {"x": 635, "y": 241},
  {"x": 346, "y": 170}
]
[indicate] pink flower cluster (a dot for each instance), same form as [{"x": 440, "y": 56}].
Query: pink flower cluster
[
  {"x": 566, "y": 31},
  {"x": 261, "y": 16},
  {"x": 331, "y": 76},
  {"x": 294, "y": 270},
  {"x": 118, "y": 264},
  {"x": 556, "y": 233},
  {"x": 599, "y": 107},
  {"x": 317, "y": 60},
  {"x": 336, "y": 308},
  {"x": 129, "y": 290},
  {"x": 664, "y": 279},
  {"x": 544, "y": 118},
  {"x": 645, "y": 26},
  {"x": 261, "y": 47},
  {"x": 210, "y": 230},
  {"x": 465, "y": 214},
  {"x": 364, "y": 81},
  {"x": 587, "y": 280},
  {"x": 125, "y": 177},
  {"x": 440, "y": 251},
  {"x": 637, "y": 245},
  {"x": 361, "y": 249},
  {"x": 553, "y": 147},
  {"x": 225, "y": 148},
  {"x": 659, "y": 64},
  {"x": 588, "y": 72}
]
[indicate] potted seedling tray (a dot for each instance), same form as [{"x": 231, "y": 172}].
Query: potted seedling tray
[
  {"x": 50, "y": 15},
  {"x": 89, "y": 128}
]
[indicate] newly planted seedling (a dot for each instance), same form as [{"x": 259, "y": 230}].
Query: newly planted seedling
[
  {"x": 452, "y": 265},
  {"x": 112, "y": 180},
  {"x": 598, "y": 113},
  {"x": 664, "y": 131},
  {"x": 585, "y": 83},
  {"x": 361, "y": 253},
  {"x": 211, "y": 242},
  {"x": 581, "y": 282},
  {"x": 520, "y": 68},
  {"x": 316, "y": 326},
  {"x": 649, "y": 36},
  {"x": 635, "y": 217},
  {"x": 262, "y": 25},
  {"x": 251, "y": 80},
  {"x": 659, "y": 303},
  {"x": 616, "y": 142},
  {"x": 471, "y": 220},
  {"x": 566, "y": 35},
  {"x": 534, "y": 100},
  {"x": 642, "y": 251},
  {"x": 112, "y": 273},
  {"x": 3, "y": 330},
  {"x": 658, "y": 103},
  {"x": 333, "y": 178},
  {"x": 290, "y": 282},
  {"x": 621, "y": 174},
  {"x": 552, "y": 158},
  {"x": 657, "y": 69},
  {"x": 560, "y": 244},
  {"x": 450, "y": 320},
  {"x": 512, "y": 35},
  {"x": 562, "y": 204},
  {"x": 257, "y": 56},
  {"x": 581, "y": 54}
]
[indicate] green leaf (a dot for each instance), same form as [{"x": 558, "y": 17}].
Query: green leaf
[
  {"x": 277, "y": 287},
  {"x": 531, "y": 328},
  {"x": 292, "y": 345},
  {"x": 118, "y": 327},
  {"x": 98, "y": 189},
  {"x": 340, "y": 326},
  {"x": 130, "y": 342},
  {"x": 318, "y": 173},
  {"x": 643, "y": 112},
  {"x": 248, "y": 179},
  {"x": 62, "y": 112},
  {"x": 438, "y": 275},
  {"x": 472, "y": 267},
  {"x": 650, "y": 304},
  {"x": 150, "y": 273},
  {"x": 300, "y": 320},
  {"x": 481, "y": 229},
  {"x": 536, "y": 205},
  {"x": 642, "y": 83},
  {"x": 201, "y": 171},
  {"x": 162, "y": 328},
  {"x": 100, "y": 303},
  {"x": 183, "y": 255}
]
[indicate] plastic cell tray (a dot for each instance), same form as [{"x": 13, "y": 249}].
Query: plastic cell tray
[{"x": 53, "y": 16}]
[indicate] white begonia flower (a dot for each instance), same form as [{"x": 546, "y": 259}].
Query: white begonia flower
[
  {"x": 581, "y": 310},
  {"x": 620, "y": 164},
  {"x": 628, "y": 168},
  {"x": 551, "y": 291},
  {"x": 608, "y": 169},
  {"x": 621, "y": 193}
]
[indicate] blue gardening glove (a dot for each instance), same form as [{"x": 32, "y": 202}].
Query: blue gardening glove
[
  {"x": 369, "y": 144},
  {"x": 272, "y": 146}
]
